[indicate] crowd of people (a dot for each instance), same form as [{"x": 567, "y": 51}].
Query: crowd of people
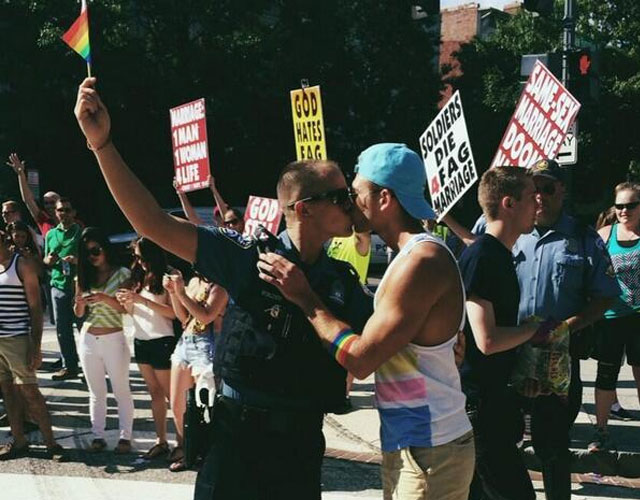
[{"x": 463, "y": 342}]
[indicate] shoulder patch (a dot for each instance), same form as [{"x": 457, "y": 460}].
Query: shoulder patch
[{"x": 245, "y": 242}]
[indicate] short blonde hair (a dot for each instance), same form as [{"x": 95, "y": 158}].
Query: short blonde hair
[{"x": 498, "y": 182}]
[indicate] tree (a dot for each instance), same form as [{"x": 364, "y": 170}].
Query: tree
[
  {"x": 490, "y": 86},
  {"x": 371, "y": 59}
]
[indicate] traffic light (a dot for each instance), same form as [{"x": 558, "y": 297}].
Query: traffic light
[
  {"x": 542, "y": 7},
  {"x": 583, "y": 75}
]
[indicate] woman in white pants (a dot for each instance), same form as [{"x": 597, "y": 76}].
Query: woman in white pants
[{"x": 103, "y": 349}]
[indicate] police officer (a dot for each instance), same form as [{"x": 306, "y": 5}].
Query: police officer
[
  {"x": 278, "y": 379},
  {"x": 564, "y": 271}
]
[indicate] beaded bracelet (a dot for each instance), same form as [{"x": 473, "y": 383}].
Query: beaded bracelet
[{"x": 341, "y": 343}]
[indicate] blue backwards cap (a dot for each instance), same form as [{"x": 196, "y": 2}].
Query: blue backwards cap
[{"x": 396, "y": 167}]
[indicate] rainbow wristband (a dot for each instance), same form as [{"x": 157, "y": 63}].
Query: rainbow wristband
[{"x": 340, "y": 344}]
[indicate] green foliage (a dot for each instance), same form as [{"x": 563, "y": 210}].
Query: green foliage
[
  {"x": 609, "y": 146},
  {"x": 370, "y": 58}
]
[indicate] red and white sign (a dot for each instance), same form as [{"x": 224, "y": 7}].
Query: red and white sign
[
  {"x": 540, "y": 123},
  {"x": 265, "y": 211},
  {"x": 190, "y": 148}
]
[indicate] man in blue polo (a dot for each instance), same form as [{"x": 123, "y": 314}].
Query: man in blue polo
[{"x": 564, "y": 272}]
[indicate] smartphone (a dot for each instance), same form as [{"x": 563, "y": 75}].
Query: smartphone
[{"x": 266, "y": 241}]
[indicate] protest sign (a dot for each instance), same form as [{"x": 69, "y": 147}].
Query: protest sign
[
  {"x": 190, "y": 148},
  {"x": 308, "y": 124},
  {"x": 447, "y": 156},
  {"x": 265, "y": 211},
  {"x": 540, "y": 123}
]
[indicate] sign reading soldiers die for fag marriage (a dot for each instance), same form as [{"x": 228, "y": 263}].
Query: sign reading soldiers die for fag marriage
[
  {"x": 308, "y": 124},
  {"x": 190, "y": 148},
  {"x": 447, "y": 156},
  {"x": 545, "y": 112}
]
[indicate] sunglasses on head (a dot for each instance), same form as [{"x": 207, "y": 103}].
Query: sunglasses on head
[
  {"x": 548, "y": 189},
  {"x": 342, "y": 197},
  {"x": 94, "y": 251},
  {"x": 628, "y": 206}
]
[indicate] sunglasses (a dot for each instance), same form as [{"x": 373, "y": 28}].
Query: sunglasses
[
  {"x": 342, "y": 197},
  {"x": 628, "y": 206},
  {"x": 7, "y": 212},
  {"x": 64, "y": 209},
  {"x": 548, "y": 189},
  {"x": 94, "y": 251},
  {"x": 231, "y": 222}
]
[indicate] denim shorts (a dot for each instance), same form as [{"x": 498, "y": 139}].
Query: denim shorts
[{"x": 194, "y": 351}]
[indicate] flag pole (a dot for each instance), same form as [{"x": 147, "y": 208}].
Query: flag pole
[{"x": 88, "y": 69}]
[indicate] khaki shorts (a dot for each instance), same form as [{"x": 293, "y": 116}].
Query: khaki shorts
[
  {"x": 440, "y": 473},
  {"x": 13, "y": 361}
]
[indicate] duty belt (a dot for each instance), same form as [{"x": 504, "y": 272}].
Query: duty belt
[{"x": 270, "y": 419}]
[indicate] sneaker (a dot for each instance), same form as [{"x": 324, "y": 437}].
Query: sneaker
[
  {"x": 600, "y": 441},
  {"x": 123, "y": 447},
  {"x": 97, "y": 445},
  {"x": 65, "y": 374},
  {"x": 620, "y": 413}
]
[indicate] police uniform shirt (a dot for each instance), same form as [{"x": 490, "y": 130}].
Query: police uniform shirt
[
  {"x": 559, "y": 270},
  {"x": 283, "y": 335}
]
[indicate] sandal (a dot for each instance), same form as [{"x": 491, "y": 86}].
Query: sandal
[
  {"x": 157, "y": 450},
  {"x": 178, "y": 466},
  {"x": 176, "y": 454},
  {"x": 9, "y": 451},
  {"x": 55, "y": 452}
]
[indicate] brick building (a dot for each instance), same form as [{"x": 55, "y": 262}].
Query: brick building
[{"x": 460, "y": 25}]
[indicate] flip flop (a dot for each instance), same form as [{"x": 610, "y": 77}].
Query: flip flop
[
  {"x": 157, "y": 450},
  {"x": 178, "y": 466}
]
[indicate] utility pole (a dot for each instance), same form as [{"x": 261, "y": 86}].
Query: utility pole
[{"x": 568, "y": 45}]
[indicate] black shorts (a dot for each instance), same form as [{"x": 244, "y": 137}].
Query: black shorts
[
  {"x": 616, "y": 336},
  {"x": 156, "y": 352}
]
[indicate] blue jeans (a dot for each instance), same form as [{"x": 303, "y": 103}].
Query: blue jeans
[{"x": 63, "y": 312}]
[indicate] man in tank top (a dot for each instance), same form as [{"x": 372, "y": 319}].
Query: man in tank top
[
  {"x": 20, "y": 354},
  {"x": 427, "y": 443}
]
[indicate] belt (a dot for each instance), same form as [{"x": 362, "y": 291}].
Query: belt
[{"x": 273, "y": 420}]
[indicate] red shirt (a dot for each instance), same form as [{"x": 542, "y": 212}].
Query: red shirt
[{"x": 44, "y": 222}]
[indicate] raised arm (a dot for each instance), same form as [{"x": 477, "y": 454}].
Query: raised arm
[
  {"x": 186, "y": 205},
  {"x": 136, "y": 202},
  {"x": 220, "y": 203},
  {"x": 25, "y": 191}
]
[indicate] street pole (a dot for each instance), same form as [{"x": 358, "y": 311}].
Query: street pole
[{"x": 568, "y": 45}]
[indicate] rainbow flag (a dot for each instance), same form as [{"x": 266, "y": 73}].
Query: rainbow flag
[{"x": 77, "y": 37}]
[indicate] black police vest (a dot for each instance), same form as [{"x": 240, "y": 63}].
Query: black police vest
[{"x": 267, "y": 344}]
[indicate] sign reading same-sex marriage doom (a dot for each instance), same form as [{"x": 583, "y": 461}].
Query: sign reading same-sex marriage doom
[
  {"x": 265, "y": 211},
  {"x": 308, "y": 124},
  {"x": 447, "y": 156},
  {"x": 540, "y": 123},
  {"x": 190, "y": 148}
]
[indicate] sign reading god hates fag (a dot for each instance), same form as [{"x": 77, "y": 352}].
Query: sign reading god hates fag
[
  {"x": 540, "y": 123},
  {"x": 265, "y": 211},
  {"x": 190, "y": 148},
  {"x": 308, "y": 124},
  {"x": 447, "y": 156}
]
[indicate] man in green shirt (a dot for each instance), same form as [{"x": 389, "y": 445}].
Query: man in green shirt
[{"x": 61, "y": 258}]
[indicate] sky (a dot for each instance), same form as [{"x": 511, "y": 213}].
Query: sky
[{"x": 483, "y": 3}]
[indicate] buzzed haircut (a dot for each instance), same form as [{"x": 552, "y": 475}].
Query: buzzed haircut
[
  {"x": 11, "y": 204},
  {"x": 305, "y": 176},
  {"x": 498, "y": 182}
]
